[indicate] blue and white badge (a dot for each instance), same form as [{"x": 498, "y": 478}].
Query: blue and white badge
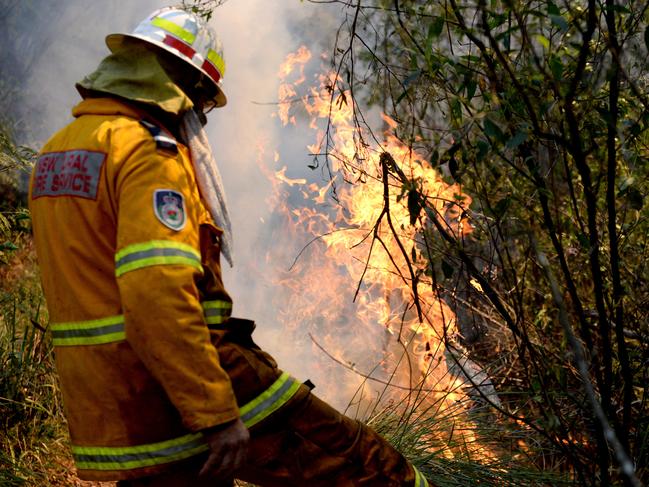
[{"x": 169, "y": 208}]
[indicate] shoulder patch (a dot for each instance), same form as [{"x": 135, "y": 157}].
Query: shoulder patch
[
  {"x": 162, "y": 140},
  {"x": 70, "y": 173},
  {"x": 169, "y": 208}
]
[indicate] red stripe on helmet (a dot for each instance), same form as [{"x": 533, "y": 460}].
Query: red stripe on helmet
[
  {"x": 179, "y": 45},
  {"x": 211, "y": 70}
]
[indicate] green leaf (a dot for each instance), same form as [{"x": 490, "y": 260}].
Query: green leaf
[
  {"x": 414, "y": 62},
  {"x": 556, "y": 66},
  {"x": 501, "y": 207},
  {"x": 406, "y": 84},
  {"x": 483, "y": 149},
  {"x": 559, "y": 21},
  {"x": 544, "y": 41},
  {"x": 414, "y": 205},
  {"x": 402, "y": 96},
  {"x": 456, "y": 109},
  {"x": 470, "y": 59},
  {"x": 447, "y": 269},
  {"x": 519, "y": 137},
  {"x": 635, "y": 198},
  {"x": 492, "y": 130},
  {"x": 435, "y": 28},
  {"x": 624, "y": 185},
  {"x": 496, "y": 19},
  {"x": 471, "y": 87},
  {"x": 412, "y": 78},
  {"x": 553, "y": 9},
  {"x": 636, "y": 129},
  {"x": 453, "y": 167},
  {"x": 507, "y": 41},
  {"x": 434, "y": 158},
  {"x": 619, "y": 8},
  {"x": 8, "y": 246}
]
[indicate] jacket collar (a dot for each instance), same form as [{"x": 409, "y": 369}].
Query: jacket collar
[
  {"x": 106, "y": 106},
  {"x": 115, "y": 106}
]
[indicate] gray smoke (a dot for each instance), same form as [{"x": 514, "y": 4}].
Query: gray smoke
[{"x": 49, "y": 45}]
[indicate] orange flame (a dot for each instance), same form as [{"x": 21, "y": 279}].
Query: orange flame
[
  {"x": 287, "y": 92},
  {"x": 351, "y": 287}
]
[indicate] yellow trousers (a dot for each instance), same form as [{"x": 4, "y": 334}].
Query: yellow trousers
[{"x": 305, "y": 443}]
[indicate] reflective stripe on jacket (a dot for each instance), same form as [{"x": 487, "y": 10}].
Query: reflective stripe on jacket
[
  {"x": 129, "y": 266},
  {"x": 147, "y": 455}
]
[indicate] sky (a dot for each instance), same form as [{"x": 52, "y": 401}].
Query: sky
[{"x": 66, "y": 42}]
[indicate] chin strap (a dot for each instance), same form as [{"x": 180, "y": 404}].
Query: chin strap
[{"x": 208, "y": 178}]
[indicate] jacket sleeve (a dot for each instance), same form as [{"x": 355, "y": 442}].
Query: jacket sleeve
[{"x": 157, "y": 263}]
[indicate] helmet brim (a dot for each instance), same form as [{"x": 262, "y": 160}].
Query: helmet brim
[{"x": 115, "y": 42}]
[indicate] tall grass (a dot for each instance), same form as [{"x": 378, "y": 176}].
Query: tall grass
[
  {"x": 30, "y": 413},
  {"x": 459, "y": 446},
  {"x": 455, "y": 429},
  {"x": 31, "y": 421}
]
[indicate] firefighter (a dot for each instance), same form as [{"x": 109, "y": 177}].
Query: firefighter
[{"x": 161, "y": 385}]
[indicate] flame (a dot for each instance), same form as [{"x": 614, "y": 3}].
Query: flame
[
  {"x": 281, "y": 176},
  {"x": 287, "y": 92},
  {"x": 350, "y": 290},
  {"x": 295, "y": 59}
]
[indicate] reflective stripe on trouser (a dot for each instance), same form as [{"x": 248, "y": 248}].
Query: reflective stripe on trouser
[
  {"x": 133, "y": 457},
  {"x": 216, "y": 312},
  {"x": 270, "y": 400},
  {"x": 90, "y": 332},
  {"x": 155, "y": 252},
  {"x": 313, "y": 444}
]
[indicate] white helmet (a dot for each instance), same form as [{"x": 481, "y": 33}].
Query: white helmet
[{"x": 186, "y": 36}]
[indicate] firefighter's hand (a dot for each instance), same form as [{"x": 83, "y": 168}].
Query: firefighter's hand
[{"x": 228, "y": 449}]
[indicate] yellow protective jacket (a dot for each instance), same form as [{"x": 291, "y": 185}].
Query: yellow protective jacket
[{"x": 130, "y": 270}]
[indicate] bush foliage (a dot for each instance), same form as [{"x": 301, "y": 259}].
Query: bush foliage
[{"x": 538, "y": 110}]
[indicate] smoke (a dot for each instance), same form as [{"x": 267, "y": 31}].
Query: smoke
[
  {"x": 246, "y": 135},
  {"x": 56, "y": 43}
]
